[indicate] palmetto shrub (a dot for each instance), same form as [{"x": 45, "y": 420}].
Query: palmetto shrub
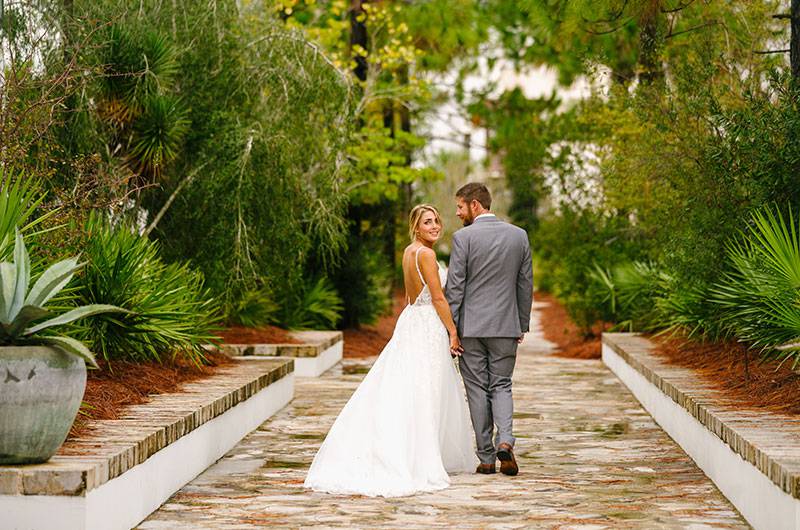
[
  {"x": 318, "y": 307},
  {"x": 759, "y": 296},
  {"x": 19, "y": 199},
  {"x": 171, "y": 312},
  {"x": 641, "y": 296},
  {"x": 253, "y": 308},
  {"x": 629, "y": 290}
]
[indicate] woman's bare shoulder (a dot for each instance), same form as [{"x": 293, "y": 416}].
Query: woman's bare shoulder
[{"x": 427, "y": 255}]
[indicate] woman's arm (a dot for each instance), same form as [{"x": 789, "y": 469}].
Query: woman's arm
[{"x": 430, "y": 273}]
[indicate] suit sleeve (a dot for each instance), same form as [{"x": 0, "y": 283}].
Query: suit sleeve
[
  {"x": 457, "y": 278},
  {"x": 525, "y": 288}
]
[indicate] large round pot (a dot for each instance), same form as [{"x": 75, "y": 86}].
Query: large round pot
[{"x": 40, "y": 392}]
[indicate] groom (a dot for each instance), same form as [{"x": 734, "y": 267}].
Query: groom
[{"x": 490, "y": 292}]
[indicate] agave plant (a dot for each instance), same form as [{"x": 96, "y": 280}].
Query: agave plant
[{"x": 22, "y": 308}]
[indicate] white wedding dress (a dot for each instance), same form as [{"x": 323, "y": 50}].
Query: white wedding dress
[{"x": 407, "y": 424}]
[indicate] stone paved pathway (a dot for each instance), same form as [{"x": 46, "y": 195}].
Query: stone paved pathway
[{"x": 590, "y": 458}]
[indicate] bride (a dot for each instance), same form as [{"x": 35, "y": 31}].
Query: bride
[{"x": 406, "y": 426}]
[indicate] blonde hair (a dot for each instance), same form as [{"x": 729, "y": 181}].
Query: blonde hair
[{"x": 416, "y": 216}]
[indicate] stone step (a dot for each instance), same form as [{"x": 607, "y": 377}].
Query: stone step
[{"x": 314, "y": 354}]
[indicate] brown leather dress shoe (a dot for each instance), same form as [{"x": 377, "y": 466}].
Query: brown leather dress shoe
[
  {"x": 508, "y": 464},
  {"x": 485, "y": 469}
]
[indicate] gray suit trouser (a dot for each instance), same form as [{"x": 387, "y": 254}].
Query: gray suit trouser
[{"x": 486, "y": 367}]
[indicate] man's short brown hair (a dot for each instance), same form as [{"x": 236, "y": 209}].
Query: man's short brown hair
[{"x": 475, "y": 191}]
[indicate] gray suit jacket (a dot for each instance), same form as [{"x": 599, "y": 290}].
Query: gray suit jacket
[{"x": 490, "y": 279}]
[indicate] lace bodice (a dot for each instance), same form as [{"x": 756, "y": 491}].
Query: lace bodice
[{"x": 424, "y": 297}]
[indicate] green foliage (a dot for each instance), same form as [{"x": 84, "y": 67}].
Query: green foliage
[
  {"x": 22, "y": 306},
  {"x": 254, "y": 308},
  {"x": 139, "y": 65},
  {"x": 640, "y": 296},
  {"x": 319, "y": 307},
  {"x": 445, "y": 30},
  {"x": 169, "y": 311},
  {"x": 521, "y": 134},
  {"x": 259, "y": 187},
  {"x": 140, "y": 69},
  {"x": 759, "y": 294},
  {"x": 363, "y": 283},
  {"x": 630, "y": 292},
  {"x": 567, "y": 246},
  {"x": 19, "y": 199}
]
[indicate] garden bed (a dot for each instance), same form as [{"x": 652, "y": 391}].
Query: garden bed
[
  {"x": 765, "y": 386},
  {"x": 116, "y": 474},
  {"x": 752, "y": 454},
  {"x": 559, "y": 328},
  {"x": 113, "y": 388},
  {"x": 259, "y": 335}
]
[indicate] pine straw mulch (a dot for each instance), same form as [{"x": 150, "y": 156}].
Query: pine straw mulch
[
  {"x": 259, "y": 335},
  {"x": 368, "y": 341},
  {"x": 559, "y": 328},
  {"x": 112, "y": 389},
  {"x": 754, "y": 385}
]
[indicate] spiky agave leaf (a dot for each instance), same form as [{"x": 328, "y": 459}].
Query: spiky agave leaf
[
  {"x": 8, "y": 282},
  {"x": 73, "y": 315},
  {"x": 51, "y": 281},
  {"x": 71, "y": 346}
]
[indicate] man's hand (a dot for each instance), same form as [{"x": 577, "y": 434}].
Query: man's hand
[{"x": 521, "y": 338}]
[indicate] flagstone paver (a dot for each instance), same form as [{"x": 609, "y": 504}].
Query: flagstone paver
[{"x": 590, "y": 457}]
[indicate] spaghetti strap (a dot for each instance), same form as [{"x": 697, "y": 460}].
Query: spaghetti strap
[{"x": 416, "y": 262}]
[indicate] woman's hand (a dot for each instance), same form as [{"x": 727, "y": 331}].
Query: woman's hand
[{"x": 455, "y": 346}]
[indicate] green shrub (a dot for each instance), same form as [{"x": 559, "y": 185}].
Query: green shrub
[
  {"x": 642, "y": 297},
  {"x": 319, "y": 307},
  {"x": 254, "y": 308},
  {"x": 630, "y": 293},
  {"x": 19, "y": 199},
  {"x": 171, "y": 312},
  {"x": 363, "y": 282},
  {"x": 759, "y": 294},
  {"x": 568, "y": 244}
]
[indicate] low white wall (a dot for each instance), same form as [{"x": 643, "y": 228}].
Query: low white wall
[
  {"x": 758, "y": 499},
  {"x": 316, "y": 366},
  {"x": 127, "y": 500}
]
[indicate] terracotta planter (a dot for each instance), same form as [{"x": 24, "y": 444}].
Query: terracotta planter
[{"x": 40, "y": 392}]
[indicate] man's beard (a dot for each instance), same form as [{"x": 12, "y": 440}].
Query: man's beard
[{"x": 467, "y": 220}]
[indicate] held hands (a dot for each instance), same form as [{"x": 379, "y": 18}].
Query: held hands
[{"x": 455, "y": 346}]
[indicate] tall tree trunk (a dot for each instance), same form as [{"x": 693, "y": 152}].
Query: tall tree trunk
[
  {"x": 405, "y": 126},
  {"x": 651, "y": 41},
  {"x": 794, "y": 48},
  {"x": 390, "y": 212},
  {"x": 358, "y": 36}
]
